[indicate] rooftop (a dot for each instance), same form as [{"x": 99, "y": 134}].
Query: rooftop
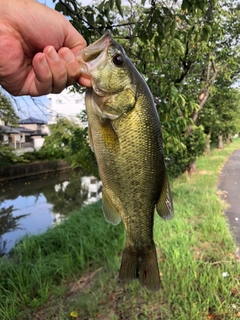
[
  {"x": 31, "y": 120},
  {"x": 9, "y": 129}
]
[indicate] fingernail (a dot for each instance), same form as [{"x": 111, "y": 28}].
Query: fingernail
[
  {"x": 52, "y": 54},
  {"x": 67, "y": 55},
  {"x": 83, "y": 69},
  {"x": 78, "y": 56},
  {"x": 43, "y": 60}
]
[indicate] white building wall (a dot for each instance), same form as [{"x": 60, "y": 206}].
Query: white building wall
[
  {"x": 65, "y": 104},
  {"x": 45, "y": 129},
  {"x": 38, "y": 142},
  {"x": 5, "y": 138}
]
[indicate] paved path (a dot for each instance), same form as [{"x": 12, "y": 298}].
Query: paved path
[{"x": 229, "y": 184}]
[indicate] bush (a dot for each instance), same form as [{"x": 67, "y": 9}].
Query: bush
[
  {"x": 8, "y": 157},
  {"x": 179, "y": 161}
]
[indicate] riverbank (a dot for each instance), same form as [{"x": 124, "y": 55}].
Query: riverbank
[
  {"x": 71, "y": 270},
  {"x": 33, "y": 168}
]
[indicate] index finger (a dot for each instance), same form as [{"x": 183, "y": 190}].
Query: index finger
[{"x": 73, "y": 39}]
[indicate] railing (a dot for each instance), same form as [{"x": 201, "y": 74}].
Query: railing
[
  {"x": 27, "y": 145},
  {"x": 22, "y": 145}
]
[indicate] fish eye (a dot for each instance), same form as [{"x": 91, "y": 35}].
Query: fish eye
[{"x": 118, "y": 59}]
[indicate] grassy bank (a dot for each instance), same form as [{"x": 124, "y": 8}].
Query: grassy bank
[
  {"x": 71, "y": 270},
  {"x": 41, "y": 264}
]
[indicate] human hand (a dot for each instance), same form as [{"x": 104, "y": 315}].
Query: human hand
[{"x": 39, "y": 49}]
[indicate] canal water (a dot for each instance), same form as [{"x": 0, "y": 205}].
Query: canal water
[{"x": 32, "y": 205}]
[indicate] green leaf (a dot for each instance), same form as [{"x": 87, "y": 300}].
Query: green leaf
[
  {"x": 179, "y": 46},
  {"x": 111, "y": 3},
  {"x": 174, "y": 91},
  {"x": 101, "y": 5},
  {"x": 206, "y": 32},
  {"x": 167, "y": 24},
  {"x": 156, "y": 55},
  {"x": 185, "y": 5},
  {"x": 200, "y": 4},
  {"x": 157, "y": 41},
  {"x": 182, "y": 100},
  {"x": 173, "y": 27},
  {"x": 166, "y": 11},
  {"x": 119, "y": 7}
]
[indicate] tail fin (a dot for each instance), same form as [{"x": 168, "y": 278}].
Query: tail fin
[{"x": 142, "y": 265}]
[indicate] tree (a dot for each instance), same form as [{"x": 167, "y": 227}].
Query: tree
[
  {"x": 7, "y": 112},
  {"x": 56, "y": 143},
  {"x": 221, "y": 115},
  {"x": 180, "y": 48},
  {"x": 69, "y": 141},
  {"x": 9, "y": 117}
]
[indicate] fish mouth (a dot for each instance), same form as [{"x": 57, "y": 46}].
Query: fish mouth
[
  {"x": 93, "y": 51},
  {"x": 95, "y": 54}
]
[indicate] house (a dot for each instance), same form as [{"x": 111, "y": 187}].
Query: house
[
  {"x": 37, "y": 129},
  {"x": 29, "y": 134},
  {"x": 9, "y": 135}
]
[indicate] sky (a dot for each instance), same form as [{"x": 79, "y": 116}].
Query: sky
[{"x": 36, "y": 107}]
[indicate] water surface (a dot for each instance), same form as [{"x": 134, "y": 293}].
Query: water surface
[{"x": 32, "y": 205}]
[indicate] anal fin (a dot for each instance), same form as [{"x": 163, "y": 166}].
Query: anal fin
[
  {"x": 90, "y": 139},
  {"x": 164, "y": 205}
]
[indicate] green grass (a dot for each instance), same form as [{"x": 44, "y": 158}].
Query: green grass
[
  {"x": 73, "y": 267},
  {"x": 41, "y": 263}
]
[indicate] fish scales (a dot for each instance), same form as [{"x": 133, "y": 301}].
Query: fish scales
[{"x": 125, "y": 135}]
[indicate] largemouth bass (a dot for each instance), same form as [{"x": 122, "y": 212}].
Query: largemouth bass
[{"x": 125, "y": 135}]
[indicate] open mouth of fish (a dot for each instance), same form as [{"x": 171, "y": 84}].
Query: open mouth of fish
[
  {"x": 95, "y": 57},
  {"x": 95, "y": 53}
]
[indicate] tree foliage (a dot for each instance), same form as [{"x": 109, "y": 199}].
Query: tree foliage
[
  {"x": 181, "y": 48},
  {"x": 10, "y": 118},
  {"x": 68, "y": 140},
  {"x": 221, "y": 115},
  {"x": 7, "y": 111}
]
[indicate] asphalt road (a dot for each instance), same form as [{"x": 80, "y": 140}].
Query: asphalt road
[{"x": 229, "y": 185}]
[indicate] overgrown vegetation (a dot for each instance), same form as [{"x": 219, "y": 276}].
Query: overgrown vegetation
[{"x": 72, "y": 268}]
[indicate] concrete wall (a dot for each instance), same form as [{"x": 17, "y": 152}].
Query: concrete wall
[
  {"x": 30, "y": 169},
  {"x": 38, "y": 142}
]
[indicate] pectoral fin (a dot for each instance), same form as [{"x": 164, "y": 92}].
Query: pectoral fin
[
  {"x": 90, "y": 139},
  {"x": 164, "y": 205},
  {"x": 110, "y": 212}
]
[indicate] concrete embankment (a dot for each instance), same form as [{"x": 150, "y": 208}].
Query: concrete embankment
[{"x": 31, "y": 169}]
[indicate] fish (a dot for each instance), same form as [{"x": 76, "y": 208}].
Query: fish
[{"x": 125, "y": 134}]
